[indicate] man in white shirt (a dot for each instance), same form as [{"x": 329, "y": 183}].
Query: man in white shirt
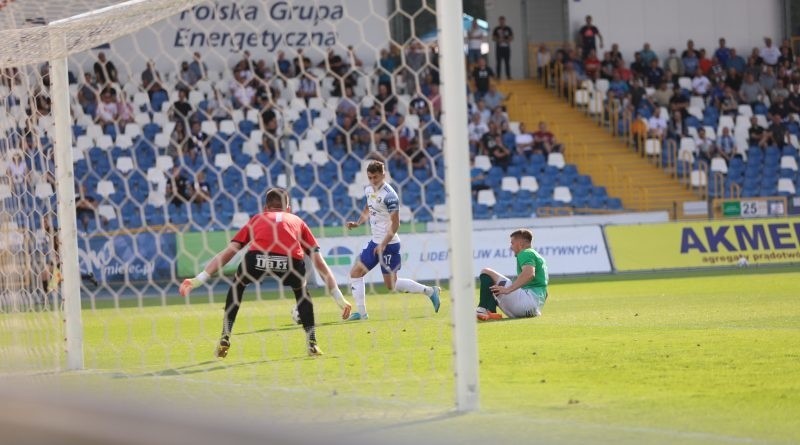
[
  {"x": 656, "y": 125},
  {"x": 383, "y": 213},
  {"x": 769, "y": 53},
  {"x": 700, "y": 83},
  {"x": 475, "y": 40}
]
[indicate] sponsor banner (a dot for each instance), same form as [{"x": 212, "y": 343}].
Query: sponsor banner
[
  {"x": 140, "y": 257},
  {"x": 196, "y": 249},
  {"x": 568, "y": 250},
  {"x": 704, "y": 244},
  {"x": 222, "y": 29}
]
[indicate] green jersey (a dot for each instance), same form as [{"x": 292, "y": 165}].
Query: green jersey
[{"x": 530, "y": 257}]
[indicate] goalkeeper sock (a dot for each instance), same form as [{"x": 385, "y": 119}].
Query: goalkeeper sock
[
  {"x": 411, "y": 286},
  {"x": 311, "y": 335},
  {"x": 359, "y": 294},
  {"x": 487, "y": 300}
]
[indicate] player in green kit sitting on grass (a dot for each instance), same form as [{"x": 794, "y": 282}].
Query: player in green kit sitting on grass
[{"x": 526, "y": 294}]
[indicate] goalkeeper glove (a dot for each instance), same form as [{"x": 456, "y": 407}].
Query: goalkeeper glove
[{"x": 190, "y": 283}]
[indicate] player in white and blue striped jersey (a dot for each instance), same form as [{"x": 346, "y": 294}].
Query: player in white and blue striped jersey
[{"x": 382, "y": 212}]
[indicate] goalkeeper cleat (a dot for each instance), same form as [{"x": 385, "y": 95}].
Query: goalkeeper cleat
[
  {"x": 222, "y": 348},
  {"x": 314, "y": 350},
  {"x": 346, "y": 311},
  {"x": 435, "y": 298},
  {"x": 186, "y": 288},
  {"x": 356, "y": 316},
  {"x": 487, "y": 315}
]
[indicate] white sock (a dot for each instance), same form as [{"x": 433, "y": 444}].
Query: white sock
[
  {"x": 336, "y": 293},
  {"x": 359, "y": 294},
  {"x": 411, "y": 286}
]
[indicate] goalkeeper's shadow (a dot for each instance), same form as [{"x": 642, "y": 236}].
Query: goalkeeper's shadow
[
  {"x": 203, "y": 367},
  {"x": 289, "y": 327}
]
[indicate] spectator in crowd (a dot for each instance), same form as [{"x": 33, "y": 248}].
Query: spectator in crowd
[
  {"x": 657, "y": 125},
  {"x": 199, "y": 190},
  {"x": 722, "y": 53},
  {"x": 477, "y": 178},
  {"x": 107, "y": 111},
  {"x": 476, "y": 37},
  {"x": 589, "y": 36},
  {"x": 17, "y": 171},
  {"x": 775, "y": 136},
  {"x": 542, "y": 60},
  {"x": 104, "y": 70},
  {"x": 242, "y": 92},
  {"x": 151, "y": 80},
  {"x": 625, "y": 74},
  {"x": 125, "y": 112},
  {"x": 197, "y": 137},
  {"x": 187, "y": 78},
  {"x": 616, "y": 55},
  {"x": 177, "y": 185},
  {"x": 386, "y": 66},
  {"x": 307, "y": 87},
  {"x": 591, "y": 65},
  {"x": 676, "y": 128},
  {"x": 181, "y": 109},
  {"x": 638, "y": 68},
  {"x": 482, "y": 76},
  {"x": 476, "y": 129},
  {"x": 756, "y": 134},
  {"x": 662, "y": 95},
  {"x": 769, "y": 54},
  {"x": 700, "y": 83},
  {"x": 524, "y": 141},
  {"x": 494, "y": 98},
  {"x": 87, "y": 95},
  {"x": 726, "y": 145},
  {"x": 733, "y": 79},
  {"x": 654, "y": 74},
  {"x": 217, "y": 107},
  {"x": 704, "y": 145},
  {"x": 178, "y": 142},
  {"x": 779, "y": 90},
  {"x": 703, "y": 62},
  {"x": 751, "y": 92},
  {"x": 607, "y": 66},
  {"x": 283, "y": 66},
  {"x": 735, "y": 61},
  {"x": 779, "y": 108},
  {"x": 647, "y": 54},
  {"x": 690, "y": 60},
  {"x": 198, "y": 67},
  {"x": 544, "y": 141},
  {"x": 502, "y": 36},
  {"x": 767, "y": 79},
  {"x": 729, "y": 105},
  {"x": 415, "y": 60}
]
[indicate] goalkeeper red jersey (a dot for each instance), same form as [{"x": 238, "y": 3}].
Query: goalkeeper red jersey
[{"x": 277, "y": 232}]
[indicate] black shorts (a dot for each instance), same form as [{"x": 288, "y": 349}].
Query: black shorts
[{"x": 257, "y": 265}]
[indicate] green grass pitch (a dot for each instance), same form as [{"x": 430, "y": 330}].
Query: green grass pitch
[{"x": 677, "y": 358}]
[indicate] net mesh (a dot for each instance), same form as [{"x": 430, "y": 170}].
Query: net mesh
[{"x": 183, "y": 113}]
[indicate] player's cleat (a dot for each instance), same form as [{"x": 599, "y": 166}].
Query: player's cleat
[
  {"x": 346, "y": 311},
  {"x": 435, "y": 298},
  {"x": 487, "y": 315},
  {"x": 185, "y": 288},
  {"x": 355, "y": 316},
  {"x": 314, "y": 350},
  {"x": 222, "y": 347}
]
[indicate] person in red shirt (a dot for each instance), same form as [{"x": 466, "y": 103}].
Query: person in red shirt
[{"x": 278, "y": 241}]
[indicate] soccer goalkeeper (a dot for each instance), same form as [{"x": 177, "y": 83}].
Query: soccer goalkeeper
[{"x": 278, "y": 241}]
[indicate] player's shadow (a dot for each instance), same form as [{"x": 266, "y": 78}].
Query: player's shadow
[
  {"x": 289, "y": 327},
  {"x": 204, "y": 367}
]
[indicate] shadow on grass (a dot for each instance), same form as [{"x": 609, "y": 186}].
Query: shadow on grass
[{"x": 205, "y": 367}]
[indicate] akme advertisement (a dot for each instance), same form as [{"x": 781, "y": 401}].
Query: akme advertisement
[
  {"x": 704, "y": 244},
  {"x": 140, "y": 257}
]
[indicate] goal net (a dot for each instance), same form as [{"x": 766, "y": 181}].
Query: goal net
[{"x": 182, "y": 114}]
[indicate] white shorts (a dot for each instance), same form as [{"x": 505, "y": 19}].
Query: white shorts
[{"x": 521, "y": 303}]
